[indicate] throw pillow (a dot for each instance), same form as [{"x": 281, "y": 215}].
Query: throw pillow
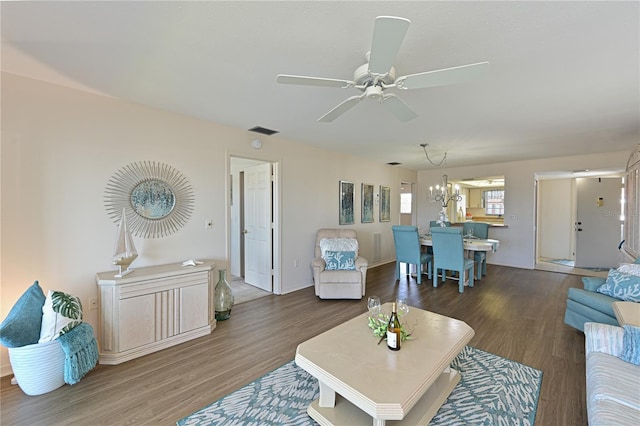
[
  {"x": 340, "y": 260},
  {"x": 22, "y": 326},
  {"x": 630, "y": 268},
  {"x": 60, "y": 313},
  {"x": 631, "y": 344},
  {"x": 621, "y": 286},
  {"x": 338, "y": 244}
]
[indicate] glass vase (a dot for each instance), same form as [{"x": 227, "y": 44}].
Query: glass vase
[{"x": 223, "y": 297}]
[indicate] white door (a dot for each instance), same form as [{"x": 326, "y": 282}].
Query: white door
[
  {"x": 257, "y": 226},
  {"x": 598, "y": 227}
]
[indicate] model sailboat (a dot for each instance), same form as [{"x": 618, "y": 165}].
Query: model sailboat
[{"x": 124, "y": 252}]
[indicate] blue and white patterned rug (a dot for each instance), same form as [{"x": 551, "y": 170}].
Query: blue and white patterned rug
[{"x": 492, "y": 391}]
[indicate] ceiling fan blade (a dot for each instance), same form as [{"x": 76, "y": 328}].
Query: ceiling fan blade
[
  {"x": 388, "y": 33},
  {"x": 341, "y": 109},
  {"x": 401, "y": 110},
  {"x": 443, "y": 77},
  {"x": 313, "y": 81}
]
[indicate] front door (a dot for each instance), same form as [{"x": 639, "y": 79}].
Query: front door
[
  {"x": 257, "y": 226},
  {"x": 598, "y": 226}
]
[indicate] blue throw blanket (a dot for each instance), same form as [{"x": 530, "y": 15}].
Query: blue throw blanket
[{"x": 81, "y": 352}]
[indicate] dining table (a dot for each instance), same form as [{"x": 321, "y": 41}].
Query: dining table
[{"x": 470, "y": 243}]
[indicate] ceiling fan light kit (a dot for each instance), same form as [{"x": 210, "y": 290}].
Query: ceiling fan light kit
[{"x": 378, "y": 74}]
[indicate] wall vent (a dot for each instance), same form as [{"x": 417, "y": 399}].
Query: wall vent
[{"x": 377, "y": 246}]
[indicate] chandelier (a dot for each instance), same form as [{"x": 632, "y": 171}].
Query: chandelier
[{"x": 442, "y": 194}]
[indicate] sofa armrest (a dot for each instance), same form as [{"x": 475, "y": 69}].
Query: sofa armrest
[
  {"x": 603, "y": 338},
  {"x": 592, "y": 283},
  {"x": 361, "y": 262}
]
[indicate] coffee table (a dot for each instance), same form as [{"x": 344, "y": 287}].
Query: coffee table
[{"x": 362, "y": 382}]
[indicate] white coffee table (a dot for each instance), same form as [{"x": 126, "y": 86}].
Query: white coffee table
[{"x": 362, "y": 382}]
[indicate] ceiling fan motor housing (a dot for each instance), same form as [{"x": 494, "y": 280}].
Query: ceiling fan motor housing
[{"x": 362, "y": 77}]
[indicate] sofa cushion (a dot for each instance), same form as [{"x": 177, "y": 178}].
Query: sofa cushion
[
  {"x": 621, "y": 286},
  {"x": 592, "y": 283},
  {"x": 597, "y": 301},
  {"x": 60, "y": 313},
  {"x": 631, "y": 344},
  {"x": 629, "y": 268},
  {"x": 612, "y": 390},
  {"x": 340, "y": 260},
  {"x": 22, "y": 326}
]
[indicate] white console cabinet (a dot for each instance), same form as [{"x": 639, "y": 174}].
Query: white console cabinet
[{"x": 153, "y": 308}]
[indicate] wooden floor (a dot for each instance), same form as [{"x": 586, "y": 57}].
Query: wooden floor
[{"x": 516, "y": 313}]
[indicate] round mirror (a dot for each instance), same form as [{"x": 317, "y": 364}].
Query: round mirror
[{"x": 153, "y": 199}]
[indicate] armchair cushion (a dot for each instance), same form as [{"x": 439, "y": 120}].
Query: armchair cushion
[
  {"x": 338, "y": 244},
  {"x": 340, "y": 260},
  {"x": 621, "y": 286}
]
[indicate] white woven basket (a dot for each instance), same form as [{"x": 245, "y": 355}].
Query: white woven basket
[{"x": 38, "y": 368}]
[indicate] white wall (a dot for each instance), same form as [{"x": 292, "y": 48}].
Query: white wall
[
  {"x": 60, "y": 146},
  {"x": 517, "y": 240}
]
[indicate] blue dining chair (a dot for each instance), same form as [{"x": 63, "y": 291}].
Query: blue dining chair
[
  {"x": 478, "y": 230},
  {"x": 407, "y": 242},
  {"x": 448, "y": 255}
]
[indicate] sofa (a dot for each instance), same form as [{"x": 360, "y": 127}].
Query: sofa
[
  {"x": 588, "y": 304},
  {"x": 612, "y": 374}
]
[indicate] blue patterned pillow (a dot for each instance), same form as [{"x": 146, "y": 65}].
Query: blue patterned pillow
[
  {"x": 340, "y": 260},
  {"x": 621, "y": 286},
  {"x": 631, "y": 344},
  {"x": 22, "y": 326}
]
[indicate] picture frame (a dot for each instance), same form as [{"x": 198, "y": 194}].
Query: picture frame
[
  {"x": 385, "y": 203},
  {"x": 347, "y": 200},
  {"x": 367, "y": 203}
]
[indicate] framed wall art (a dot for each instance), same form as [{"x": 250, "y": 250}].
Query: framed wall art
[
  {"x": 367, "y": 203},
  {"x": 347, "y": 199},
  {"x": 385, "y": 203}
]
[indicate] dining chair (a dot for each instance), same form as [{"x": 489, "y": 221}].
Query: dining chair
[
  {"x": 448, "y": 255},
  {"x": 407, "y": 243},
  {"x": 478, "y": 230}
]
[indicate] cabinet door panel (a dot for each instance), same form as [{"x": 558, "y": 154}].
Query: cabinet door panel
[
  {"x": 137, "y": 321},
  {"x": 194, "y": 307}
]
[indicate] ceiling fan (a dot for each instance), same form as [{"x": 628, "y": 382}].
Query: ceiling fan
[{"x": 378, "y": 74}]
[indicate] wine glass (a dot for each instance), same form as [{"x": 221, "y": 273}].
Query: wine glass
[
  {"x": 403, "y": 308},
  {"x": 373, "y": 304},
  {"x": 470, "y": 233}
]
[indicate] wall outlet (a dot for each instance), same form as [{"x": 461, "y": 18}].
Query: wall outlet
[{"x": 93, "y": 303}]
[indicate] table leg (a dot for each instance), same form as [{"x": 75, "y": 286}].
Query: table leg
[
  {"x": 327, "y": 396},
  {"x": 378, "y": 422}
]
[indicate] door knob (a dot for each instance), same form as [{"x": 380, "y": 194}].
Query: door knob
[{"x": 245, "y": 232}]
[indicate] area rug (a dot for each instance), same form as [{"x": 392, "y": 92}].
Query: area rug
[{"x": 492, "y": 391}]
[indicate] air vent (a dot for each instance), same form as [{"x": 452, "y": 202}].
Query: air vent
[
  {"x": 263, "y": 130},
  {"x": 394, "y": 163}
]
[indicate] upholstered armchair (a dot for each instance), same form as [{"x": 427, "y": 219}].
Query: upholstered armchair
[{"x": 338, "y": 271}]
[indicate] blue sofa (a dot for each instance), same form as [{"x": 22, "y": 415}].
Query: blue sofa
[{"x": 587, "y": 305}]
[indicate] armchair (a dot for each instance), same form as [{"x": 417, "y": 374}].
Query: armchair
[{"x": 338, "y": 271}]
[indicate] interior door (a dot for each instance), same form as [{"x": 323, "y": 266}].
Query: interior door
[
  {"x": 257, "y": 226},
  {"x": 598, "y": 227}
]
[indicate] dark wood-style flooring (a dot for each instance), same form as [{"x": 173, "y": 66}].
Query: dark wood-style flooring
[{"x": 516, "y": 313}]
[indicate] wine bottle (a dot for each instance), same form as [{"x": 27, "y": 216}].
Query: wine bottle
[{"x": 393, "y": 330}]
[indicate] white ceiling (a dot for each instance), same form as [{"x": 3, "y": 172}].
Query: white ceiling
[{"x": 564, "y": 76}]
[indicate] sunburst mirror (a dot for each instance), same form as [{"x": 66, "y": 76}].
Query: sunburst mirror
[{"x": 157, "y": 198}]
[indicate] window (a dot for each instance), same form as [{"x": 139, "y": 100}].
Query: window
[
  {"x": 405, "y": 203},
  {"x": 493, "y": 202}
]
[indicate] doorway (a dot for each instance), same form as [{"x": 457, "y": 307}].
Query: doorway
[
  {"x": 577, "y": 227},
  {"x": 253, "y": 223}
]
